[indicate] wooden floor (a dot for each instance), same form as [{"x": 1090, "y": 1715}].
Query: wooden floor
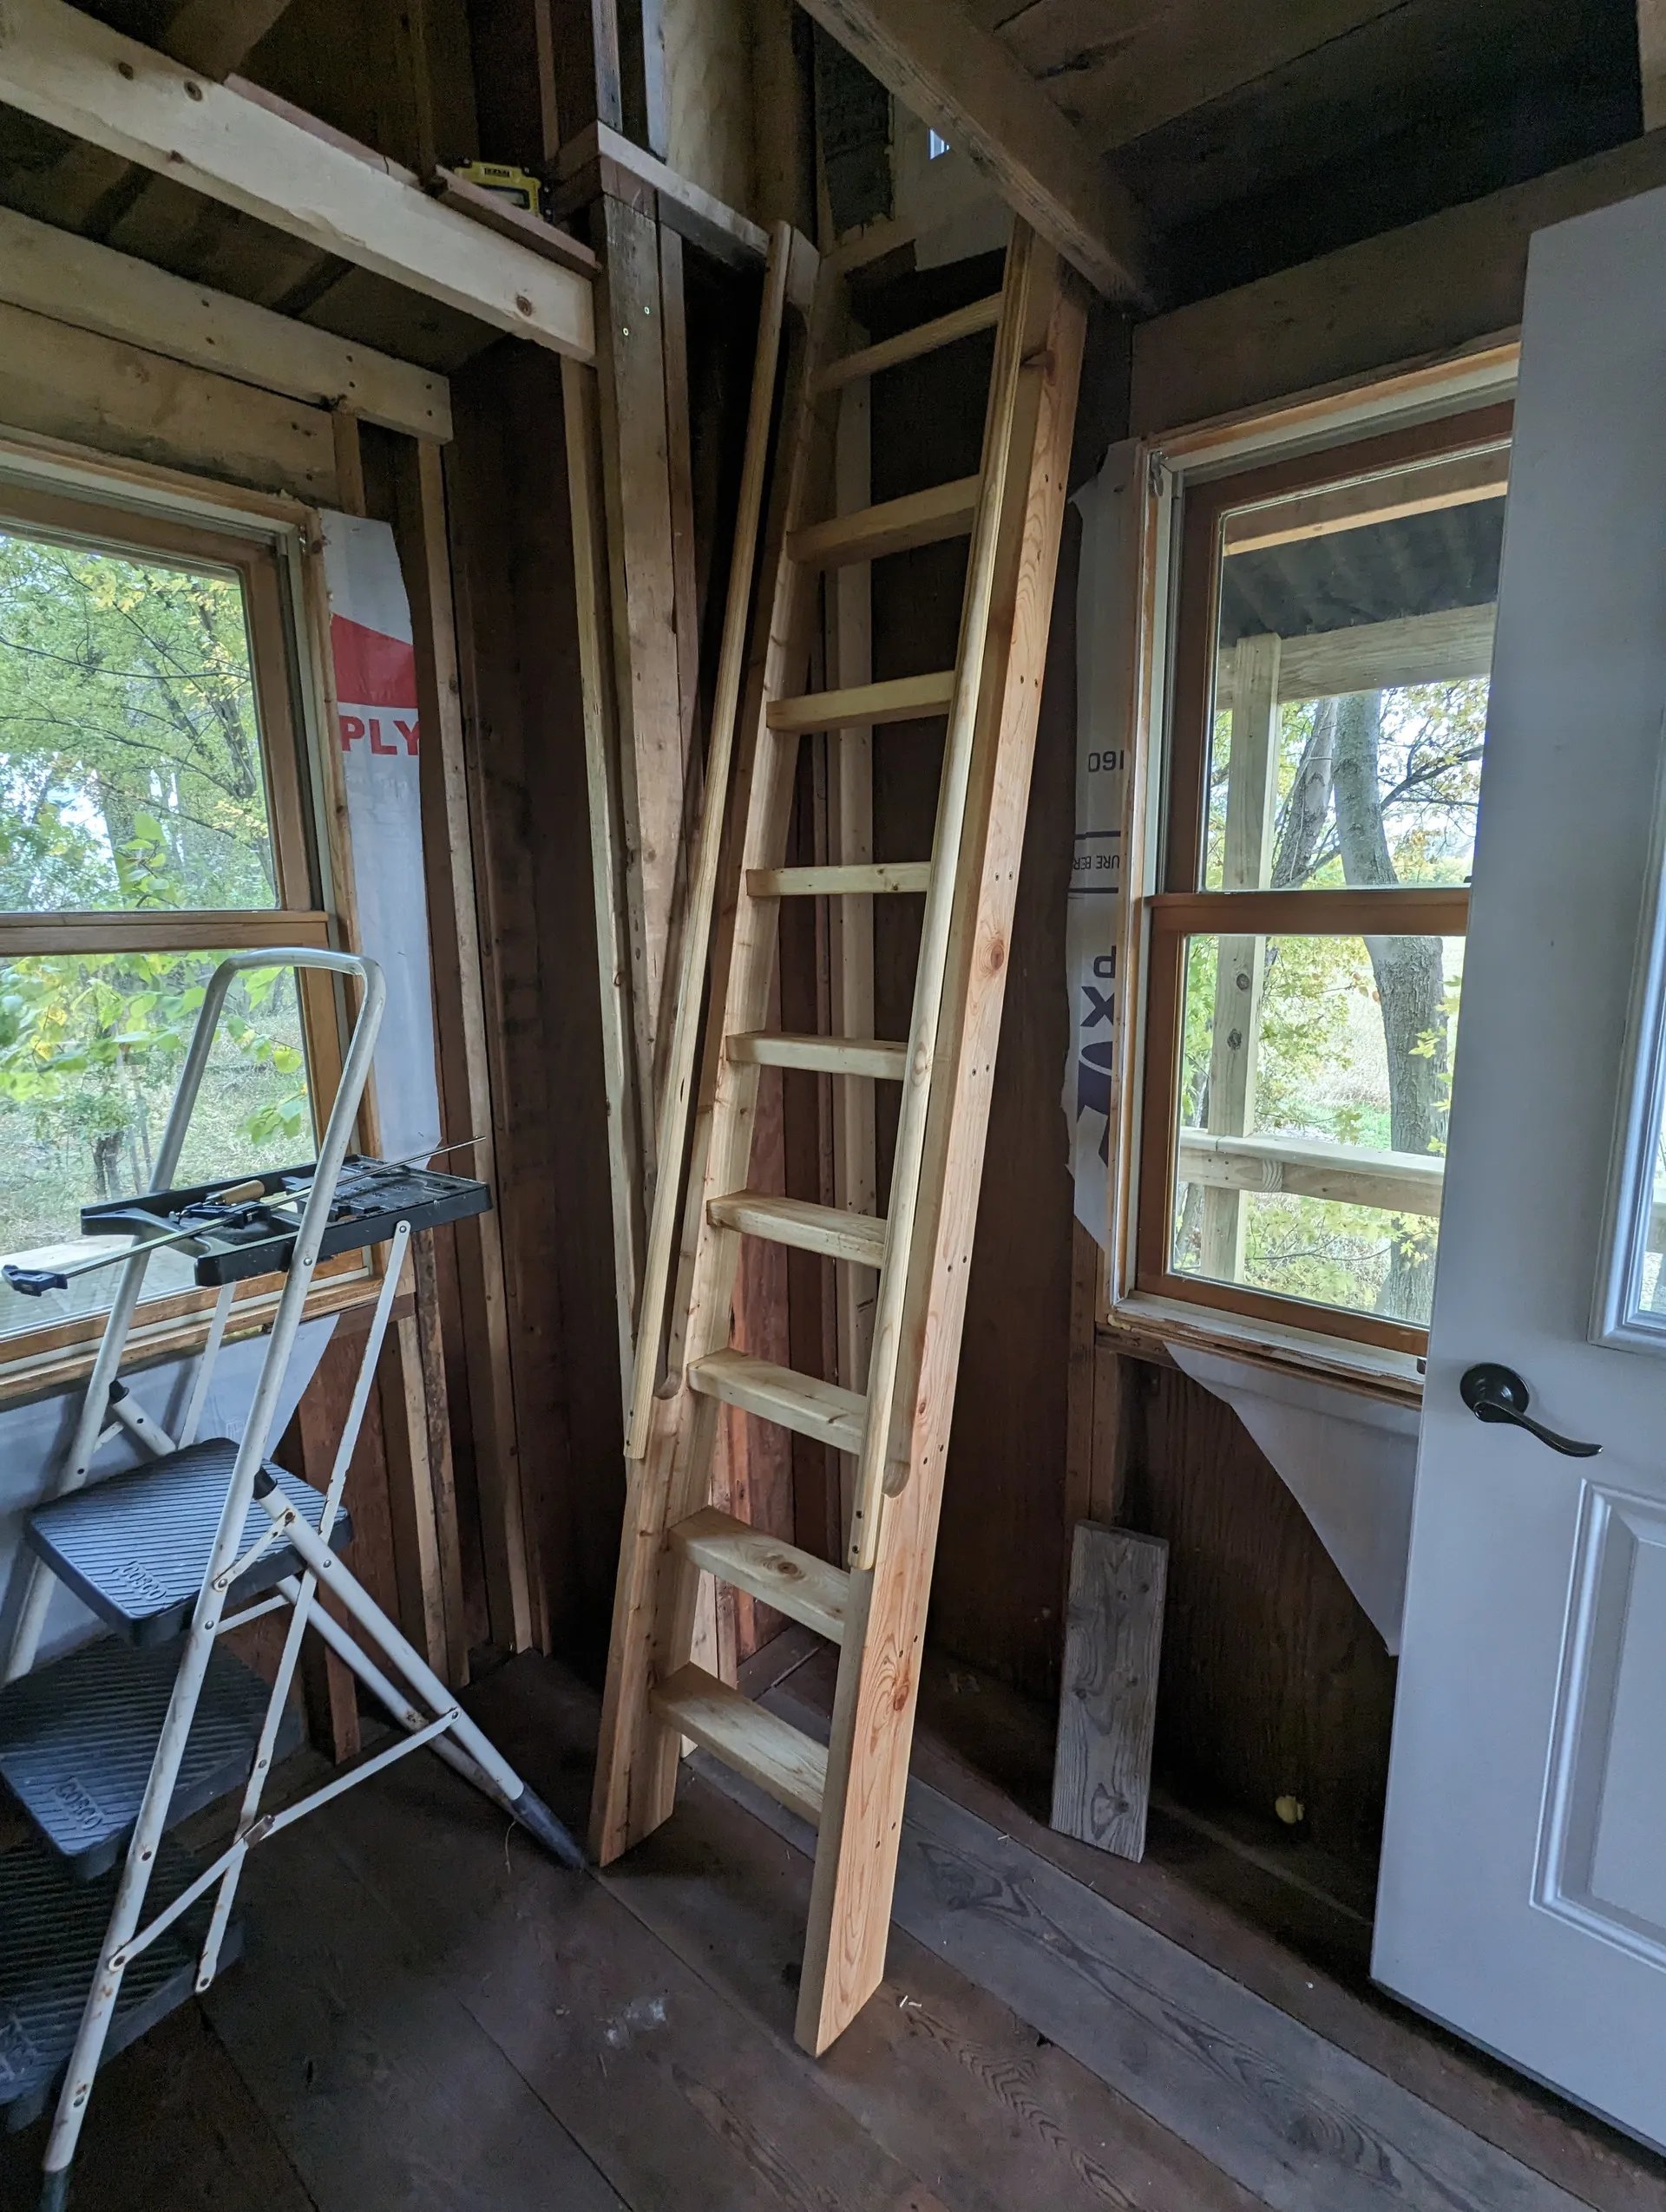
[{"x": 431, "y": 2015}]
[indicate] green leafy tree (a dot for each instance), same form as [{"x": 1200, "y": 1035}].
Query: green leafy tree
[{"x": 130, "y": 778}]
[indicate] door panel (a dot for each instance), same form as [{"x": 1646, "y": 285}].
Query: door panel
[
  {"x": 1601, "y": 1863},
  {"x": 1522, "y": 1896}
]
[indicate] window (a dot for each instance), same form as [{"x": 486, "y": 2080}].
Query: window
[
  {"x": 1333, "y": 636},
  {"x": 151, "y": 817}
]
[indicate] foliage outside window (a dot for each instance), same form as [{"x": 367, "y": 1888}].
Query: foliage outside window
[
  {"x": 1333, "y": 635},
  {"x": 150, "y": 819}
]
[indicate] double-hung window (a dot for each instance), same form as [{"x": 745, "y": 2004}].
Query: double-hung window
[
  {"x": 155, "y": 813},
  {"x": 1305, "y": 939}
]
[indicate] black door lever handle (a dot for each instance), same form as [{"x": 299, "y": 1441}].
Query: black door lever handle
[{"x": 1495, "y": 1393}]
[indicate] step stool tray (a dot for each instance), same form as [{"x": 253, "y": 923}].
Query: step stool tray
[
  {"x": 52, "y": 1933},
  {"x": 78, "y": 1738},
  {"x": 135, "y": 1548}
]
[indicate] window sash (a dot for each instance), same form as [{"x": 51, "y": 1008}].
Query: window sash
[
  {"x": 35, "y": 1360},
  {"x": 1180, "y": 909}
]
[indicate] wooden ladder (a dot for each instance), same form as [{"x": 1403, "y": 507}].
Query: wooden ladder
[{"x": 875, "y": 1607}]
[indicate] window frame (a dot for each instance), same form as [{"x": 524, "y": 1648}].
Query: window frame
[
  {"x": 265, "y": 545},
  {"x": 1264, "y": 461}
]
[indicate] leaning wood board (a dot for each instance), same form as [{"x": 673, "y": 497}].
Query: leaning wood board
[{"x": 1107, "y": 1706}]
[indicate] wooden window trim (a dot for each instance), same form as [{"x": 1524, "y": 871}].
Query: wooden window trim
[
  {"x": 1181, "y": 908},
  {"x": 40, "y": 1359}
]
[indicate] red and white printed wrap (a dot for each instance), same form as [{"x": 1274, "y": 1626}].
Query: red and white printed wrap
[{"x": 380, "y": 738}]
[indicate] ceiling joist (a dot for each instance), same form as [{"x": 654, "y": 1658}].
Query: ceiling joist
[
  {"x": 965, "y": 84},
  {"x": 67, "y": 69},
  {"x": 92, "y": 287}
]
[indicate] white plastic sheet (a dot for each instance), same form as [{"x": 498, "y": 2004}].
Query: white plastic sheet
[{"x": 380, "y": 739}]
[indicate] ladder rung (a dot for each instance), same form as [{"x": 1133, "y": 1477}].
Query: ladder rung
[
  {"x": 839, "y": 879},
  {"x": 830, "y": 1230},
  {"x": 903, "y": 698},
  {"x": 794, "y": 1582},
  {"x": 908, "y": 345},
  {"x": 774, "y": 1754},
  {"x": 814, "y": 1409},
  {"x": 831, "y": 1055},
  {"x": 895, "y": 526}
]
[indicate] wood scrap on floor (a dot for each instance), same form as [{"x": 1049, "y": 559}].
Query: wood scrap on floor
[{"x": 1107, "y": 1702}]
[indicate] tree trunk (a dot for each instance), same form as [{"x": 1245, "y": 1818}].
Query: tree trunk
[
  {"x": 1410, "y": 974},
  {"x": 1301, "y": 830}
]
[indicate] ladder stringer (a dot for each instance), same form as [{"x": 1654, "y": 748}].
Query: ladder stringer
[
  {"x": 654, "y": 1597},
  {"x": 879, "y": 1670}
]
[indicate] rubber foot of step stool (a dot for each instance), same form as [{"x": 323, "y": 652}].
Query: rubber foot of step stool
[
  {"x": 55, "y": 2191},
  {"x": 537, "y": 1819}
]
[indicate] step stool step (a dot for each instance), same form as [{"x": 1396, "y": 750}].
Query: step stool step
[
  {"x": 796, "y": 1583},
  {"x": 78, "y": 1738},
  {"x": 814, "y": 1408},
  {"x": 770, "y": 1751},
  {"x": 52, "y": 1931},
  {"x": 135, "y": 1548}
]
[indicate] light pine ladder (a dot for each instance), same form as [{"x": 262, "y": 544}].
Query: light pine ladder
[{"x": 874, "y": 1606}]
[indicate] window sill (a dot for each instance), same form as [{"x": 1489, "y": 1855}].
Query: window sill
[
  {"x": 46, "y": 1374},
  {"x": 1141, "y": 1325}
]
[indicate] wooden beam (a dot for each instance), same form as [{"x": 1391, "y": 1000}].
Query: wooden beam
[
  {"x": 1651, "y": 61},
  {"x": 79, "y": 282},
  {"x": 1241, "y": 962},
  {"x": 1443, "y": 648},
  {"x": 964, "y": 83},
  {"x": 1472, "y": 478},
  {"x": 92, "y": 390},
  {"x": 216, "y": 37},
  {"x": 1407, "y": 296},
  {"x": 602, "y": 160},
  {"x": 68, "y": 69},
  {"x": 467, "y": 1092}
]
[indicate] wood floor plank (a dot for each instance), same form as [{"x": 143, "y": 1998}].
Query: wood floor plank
[
  {"x": 990, "y": 1749},
  {"x": 1297, "y": 2122},
  {"x": 383, "y": 2090},
  {"x": 171, "y": 2128},
  {"x": 684, "y": 2103},
  {"x": 943, "y": 2076}
]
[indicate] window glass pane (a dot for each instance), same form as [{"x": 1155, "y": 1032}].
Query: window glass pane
[
  {"x": 1354, "y": 641},
  {"x": 1314, "y": 1080},
  {"x": 130, "y": 764},
  {"x": 91, "y": 1046}
]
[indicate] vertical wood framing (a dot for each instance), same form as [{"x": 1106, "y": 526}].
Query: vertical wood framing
[
  {"x": 879, "y": 1669},
  {"x": 850, "y": 920},
  {"x": 514, "y": 1590},
  {"x": 642, "y": 573},
  {"x": 581, "y": 406},
  {"x": 1651, "y": 60},
  {"x": 411, "y": 1382},
  {"x": 667, "y": 1476},
  {"x": 1251, "y": 800}
]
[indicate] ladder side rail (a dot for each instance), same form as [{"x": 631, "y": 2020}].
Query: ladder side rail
[
  {"x": 301, "y": 1610},
  {"x": 194, "y": 1663},
  {"x": 918, "y": 1085},
  {"x": 680, "y": 1068},
  {"x": 77, "y": 1461},
  {"x": 637, "y": 1756},
  {"x": 880, "y": 1663}
]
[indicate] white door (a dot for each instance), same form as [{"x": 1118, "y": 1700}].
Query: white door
[{"x": 1523, "y": 1881}]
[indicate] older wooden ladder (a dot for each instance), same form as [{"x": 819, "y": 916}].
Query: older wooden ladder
[{"x": 874, "y": 1608}]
